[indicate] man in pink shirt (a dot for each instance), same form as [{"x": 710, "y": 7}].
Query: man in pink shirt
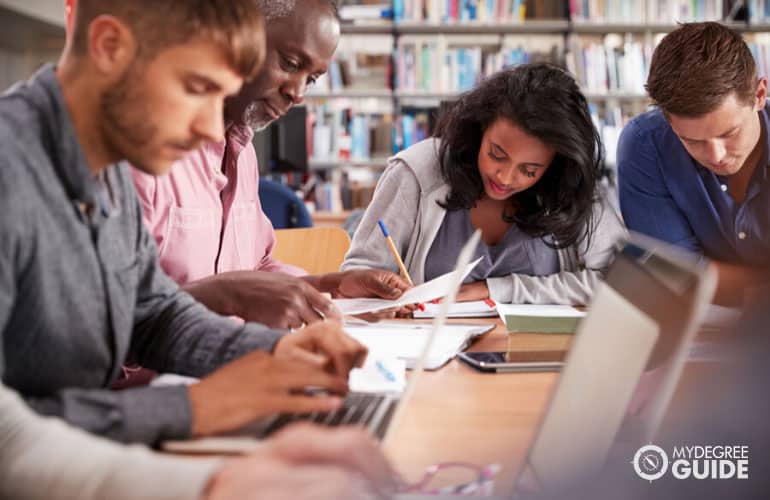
[{"x": 213, "y": 237}]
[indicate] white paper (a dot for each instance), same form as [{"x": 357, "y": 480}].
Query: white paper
[
  {"x": 405, "y": 340},
  {"x": 549, "y": 311},
  {"x": 472, "y": 309},
  {"x": 379, "y": 374},
  {"x": 433, "y": 289}
]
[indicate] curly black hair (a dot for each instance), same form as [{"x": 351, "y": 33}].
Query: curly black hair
[{"x": 546, "y": 103}]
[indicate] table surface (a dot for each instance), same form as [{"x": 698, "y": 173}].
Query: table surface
[{"x": 460, "y": 414}]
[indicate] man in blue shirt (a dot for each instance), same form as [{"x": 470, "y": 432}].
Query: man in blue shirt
[{"x": 694, "y": 170}]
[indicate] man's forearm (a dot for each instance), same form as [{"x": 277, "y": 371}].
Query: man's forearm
[
  {"x": 211, "y": 293},
  {"x": 324, "y": 283}
]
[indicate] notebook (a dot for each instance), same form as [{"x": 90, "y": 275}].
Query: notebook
[{"x": 539, "y": 318}]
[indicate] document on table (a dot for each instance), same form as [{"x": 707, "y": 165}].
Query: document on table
[
  {"x": 472, "y": 309},
  {"x": 406, "y": 340},
  {"x": 433, "y": 289},
  {"x": 539, "y": 318},
  {"x": 379, "y": 374}
]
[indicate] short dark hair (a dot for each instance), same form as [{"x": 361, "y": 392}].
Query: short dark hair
[
  {"x": 696, "y": 66},
  {"x": 546, "y": 103},
  {"x": 235, "y": 25}
]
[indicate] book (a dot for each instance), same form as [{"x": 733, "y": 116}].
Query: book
[{"x": 528, "y": 318}]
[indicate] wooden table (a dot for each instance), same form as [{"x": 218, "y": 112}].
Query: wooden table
[{"x": 460, "y": 414}]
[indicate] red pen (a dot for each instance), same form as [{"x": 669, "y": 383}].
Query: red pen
[{"x": 490, "y": 302}]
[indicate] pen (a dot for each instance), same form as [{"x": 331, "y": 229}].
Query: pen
[
  {"x": 396, "y": 256},
  {"x": 385, "y": 372},
  {"x": 490, "y": 302}
]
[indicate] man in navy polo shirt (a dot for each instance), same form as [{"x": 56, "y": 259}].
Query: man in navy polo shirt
[{"x": 694, "y": 170}]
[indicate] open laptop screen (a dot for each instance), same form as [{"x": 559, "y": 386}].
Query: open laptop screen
[{"x": 661, "y": 289}]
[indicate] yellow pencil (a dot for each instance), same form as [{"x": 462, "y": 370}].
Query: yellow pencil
[{"x": 395, "y": 252}]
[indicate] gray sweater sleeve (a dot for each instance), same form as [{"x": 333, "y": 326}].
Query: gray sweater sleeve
[
  {"x": 44, "y": 458},
  {"x": 396, "y": 202},
  {"x": 582, "y": 268}
]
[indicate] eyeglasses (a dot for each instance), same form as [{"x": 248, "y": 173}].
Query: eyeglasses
[{"x": 482, "y": 485}]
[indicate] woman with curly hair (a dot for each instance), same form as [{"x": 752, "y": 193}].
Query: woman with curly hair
[{"x": 517, "y": 157}]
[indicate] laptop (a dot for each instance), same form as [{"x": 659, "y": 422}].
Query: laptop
[
  {"x": 640, "y": 324},
  {"x": 375, "y": 411}
]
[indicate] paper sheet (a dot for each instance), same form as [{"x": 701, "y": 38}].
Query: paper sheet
[
  {"x": 379, "y": 374},
  {"x": 405, "y": 340},
  {"x": 553, "y": 311},
  {"x": 472, "y": 309},
  {"x": 433, "y": 289}
]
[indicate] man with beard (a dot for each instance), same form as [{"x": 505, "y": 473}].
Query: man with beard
[
  {"x": 80, "y": 284},
  {"x": 213, "y": 237}
]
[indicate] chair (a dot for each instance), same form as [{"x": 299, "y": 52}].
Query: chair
[
  {"x": 317, "y": 250},
  {"x": 282, "y": 206}
]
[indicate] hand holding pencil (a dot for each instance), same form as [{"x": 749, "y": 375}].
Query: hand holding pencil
[{"x": 397, "y": 257}]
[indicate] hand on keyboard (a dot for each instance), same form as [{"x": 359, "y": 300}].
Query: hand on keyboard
[{"x": 258, "y": 385}]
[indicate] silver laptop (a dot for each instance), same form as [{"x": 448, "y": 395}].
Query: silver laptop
[
  {"x": 640, "y": 324},
  {"x": 376, "y": 411}
]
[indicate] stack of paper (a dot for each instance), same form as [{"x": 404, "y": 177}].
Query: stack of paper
[
  {"x": 539, "y": 318},
  {"x": 472, "y": 309}
]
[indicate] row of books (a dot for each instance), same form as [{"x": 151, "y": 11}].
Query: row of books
[
  {"x": 415, "y": 124},
  {"x": 339, "y": 133},
  {"x": 332, "y": 191},
  {"x": 759, "y": 44},
  {"x": 471, "y": 11},
  {"x": 342, "y": 135},
  {"x": 609, "y": 64},
  {"x": 645, "y": 11},
  {"x": 759, "y": 10},
  {"x": 455, "y": 64},
  {"x": 616, "y": 63}
]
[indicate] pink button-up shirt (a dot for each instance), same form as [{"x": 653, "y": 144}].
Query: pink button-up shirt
[{"x": 208, "y": 220}]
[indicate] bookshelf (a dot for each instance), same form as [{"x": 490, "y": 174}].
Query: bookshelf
[{"x": 390, "y": 76}]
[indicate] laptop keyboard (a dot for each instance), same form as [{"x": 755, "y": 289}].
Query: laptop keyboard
[{"x": 371, "y": 410}]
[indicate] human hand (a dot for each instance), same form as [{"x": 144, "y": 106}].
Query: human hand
[
  {"x": 473, "y": 291},
  {"x": 258, "y": 385},
  {"x": 376, "y": 283},
  {"x": 274, "y": 299},
  {"x": 323, "y": 343},
  {"x": 304, "y": 461}
]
